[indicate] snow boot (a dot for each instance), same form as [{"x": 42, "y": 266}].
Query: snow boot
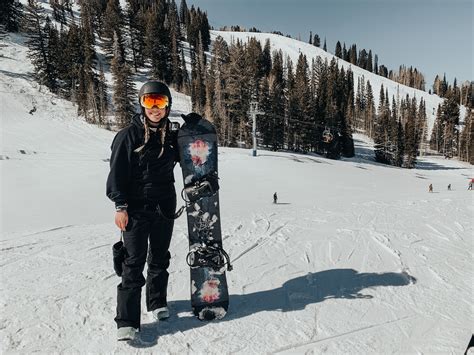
[
  {"x": 126, "y": 333},
  {"x": 161, "y": 313}
]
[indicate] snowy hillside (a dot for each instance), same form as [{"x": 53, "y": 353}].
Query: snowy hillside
[
  {"x": 292, "y": 48},
  {"x": 357, "y": 257}
]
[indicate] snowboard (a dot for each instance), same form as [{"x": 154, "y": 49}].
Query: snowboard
[{"x": 197, "y": 144}]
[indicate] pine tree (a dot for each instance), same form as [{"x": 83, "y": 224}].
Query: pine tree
[
  {"x": 345, "y": 54},
  {"x": 54, "y": 53},
  {"x": 316, "y": 40},
  {"x": 347, "y": 112},
  {"x": 10, "y": 15},
  {"x": 362, "y": 61},
  {"x": 112, "y": 26},
  {"x": 72, "y": 62},
  {"x": 335, "y": 123},
  {"x": 436, "y": 85},
  {"x": 59, "y": 11},
  {"x": 400, "y": 152},
  {"x": 466, "y": 140},
  {"x": 174, "y": 30},
  {"x": 396, "y": 136},
  {"x": 124, "y": 89},
  {"x": 198, "y": 75},
  {"x": 157, "y": 39},
  {"x": 411, "y": 144},
  {"x": 319, "y": 84},
  {"x": 369, "y": 111},
  {"x": 186, "y": 88},
  {"x": 353, "y": 54},
  {"x": 437, "y": 132},
  {"x": 324, "y": 46},
  {"x": 255, "y": 65},
  {"x": 198, "y": 23},
  {"x": 380, "y": 130},
  {"x": 137, "y": 22},
  {"x": 86, "y": 95},
  {"x": 292, "y": 109},
  {"x": 369, "y": 65},
  {"x": 359, "y": 107},
  {"x": 450, "y": 121},
  {"x": 216, "y": 98},
  {"x": 266, "y": 58},
  {"x": 184, "y": 13},
  {"x": 97, "y": 10},
  {"x": 103, "y": 104},
  {"x": 63, "y": 63},
  {"x": 204, "y": 28},
  {"x": 192, "y": 27},
  {"x": 276, "y": 113},
  {"x": 264, "y": 122},
  {"x": 67, "y": 6},
  {"x": 38, "y": 27},
  {"x": 238, "y": 95},
  {"x": 87, "y": 21},
  {"x": 421, "y": 126},
  {"x": 443, "y": 87},
  {"x": 305, "y": 129},
  {"x": 338, "y": 51}
]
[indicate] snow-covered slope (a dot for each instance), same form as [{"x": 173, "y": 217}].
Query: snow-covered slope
[
  {"x": 293, "y": 48},
  {"x": 356, "y": 257}
]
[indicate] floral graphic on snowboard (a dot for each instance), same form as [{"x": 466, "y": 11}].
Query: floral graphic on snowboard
[
  {"x": 199, "y": 151},
  {"x": 210, "y": 291}
]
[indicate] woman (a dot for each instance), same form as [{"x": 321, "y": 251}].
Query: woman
[{"x": 141, "y": 183}]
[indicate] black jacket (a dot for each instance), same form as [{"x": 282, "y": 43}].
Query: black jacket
[{"x": 141, "y": 176}]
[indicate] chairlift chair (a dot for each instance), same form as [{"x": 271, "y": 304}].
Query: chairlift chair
[{"x": 327, "y": 135}]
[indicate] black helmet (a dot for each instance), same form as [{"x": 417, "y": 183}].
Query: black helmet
[{"x": 155, "y": 87}]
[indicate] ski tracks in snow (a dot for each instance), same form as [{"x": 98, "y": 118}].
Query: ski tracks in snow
[
  {"x": 369, "y": 237},
  {"x": 259, "y": 235},
  {"x": 64, "y": 285}
]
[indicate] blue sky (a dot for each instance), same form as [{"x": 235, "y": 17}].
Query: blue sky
[{"x": 435, "y": 36}]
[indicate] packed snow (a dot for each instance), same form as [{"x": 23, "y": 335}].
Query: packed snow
[{"x": 356, "y": 257}]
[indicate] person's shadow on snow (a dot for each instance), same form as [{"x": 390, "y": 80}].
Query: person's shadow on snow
[{"x": 294, "y": 294}]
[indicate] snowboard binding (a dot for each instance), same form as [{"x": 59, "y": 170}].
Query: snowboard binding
[
  {"x": 209, "y": 256},
  {"x": 204, "y": 187}
]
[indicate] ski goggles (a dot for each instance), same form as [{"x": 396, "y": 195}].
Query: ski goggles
[{"x": 151, "y": 100}]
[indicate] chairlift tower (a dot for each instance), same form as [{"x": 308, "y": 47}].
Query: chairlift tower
[{"x": 253, "y": 112}]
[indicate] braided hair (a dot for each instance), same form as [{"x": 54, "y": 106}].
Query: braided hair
[{"x": 162, "y": 130}]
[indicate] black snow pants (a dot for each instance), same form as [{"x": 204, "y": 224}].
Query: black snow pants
[{"x": 145, "y": 226}]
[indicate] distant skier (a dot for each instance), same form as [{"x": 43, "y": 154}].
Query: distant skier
[
  {"x": 430, "y": 188},
  {"x": 449, "y": 187},
  {"x": 470, "y": 186},
  {"x": 275, "y": 198}
]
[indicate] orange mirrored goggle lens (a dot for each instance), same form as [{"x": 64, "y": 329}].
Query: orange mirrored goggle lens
[{"x": 150, "y": 100}]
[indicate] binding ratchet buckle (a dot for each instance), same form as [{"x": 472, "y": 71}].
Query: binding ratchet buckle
[
  {"x": 208, "y": 256},
  {"x": 205, "y": 187}
]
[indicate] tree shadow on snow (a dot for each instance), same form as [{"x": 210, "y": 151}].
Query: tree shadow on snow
[
  {"x": 293, "y": 295},
  {"x": 425, "y": 165}
]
